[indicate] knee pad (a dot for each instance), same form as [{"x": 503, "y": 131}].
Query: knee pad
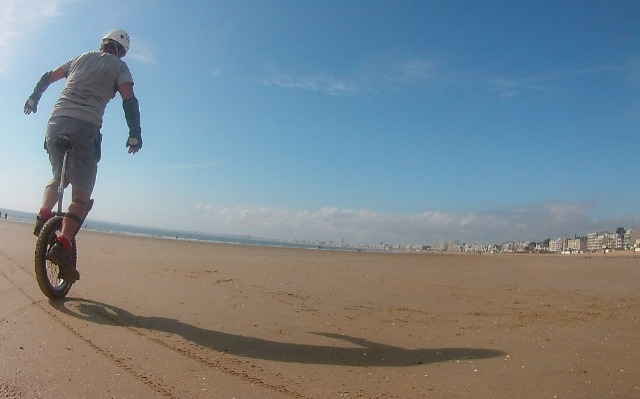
[
  {"x": 87, "y": 205},
  {"x": 78, "y": 203},
  {"x": 75, "y": 217}
]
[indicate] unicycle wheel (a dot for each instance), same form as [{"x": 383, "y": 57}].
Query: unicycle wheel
[{"x": 46, "y": 271}]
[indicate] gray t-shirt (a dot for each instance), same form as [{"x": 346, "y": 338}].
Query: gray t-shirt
[{"x": 93, "y": 79}]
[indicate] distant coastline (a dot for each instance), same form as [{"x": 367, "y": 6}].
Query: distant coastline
[
  {"x": 443, "y": 247},
  {"x": 124, "y": 229}
]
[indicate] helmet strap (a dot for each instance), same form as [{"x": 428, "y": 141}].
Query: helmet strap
[{"x": 113, "y": 46}]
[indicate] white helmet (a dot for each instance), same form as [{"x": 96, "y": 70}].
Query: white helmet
[{"x": 119, "y": 36}]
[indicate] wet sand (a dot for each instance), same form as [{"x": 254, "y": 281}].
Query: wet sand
[{"x": 159, "y": 318}]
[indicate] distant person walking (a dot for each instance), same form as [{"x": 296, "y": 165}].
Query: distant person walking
[{"x": 93, "y": 78}]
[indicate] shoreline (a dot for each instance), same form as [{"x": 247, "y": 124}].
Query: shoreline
[{"x": 287, "y": 245}]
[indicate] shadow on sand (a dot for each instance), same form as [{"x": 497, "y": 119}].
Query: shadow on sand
[{"x": 364, "y": 353}]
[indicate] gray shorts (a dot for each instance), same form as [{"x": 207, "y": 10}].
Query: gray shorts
[{"x": 82, "y": 162}]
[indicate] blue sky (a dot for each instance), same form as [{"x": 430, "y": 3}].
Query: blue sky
[{"x": 370, "y": 121}]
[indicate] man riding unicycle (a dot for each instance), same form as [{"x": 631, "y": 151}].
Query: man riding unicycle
[{"x": 93, "y": 78}]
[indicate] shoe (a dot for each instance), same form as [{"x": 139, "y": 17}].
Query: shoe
[
  {"x": 39, "y": 224},
  {"x": 63, "y": 258},
  {"x": 41, "y": 219}
]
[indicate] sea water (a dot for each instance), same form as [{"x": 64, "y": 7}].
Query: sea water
[{"x": 118, "y": 228}]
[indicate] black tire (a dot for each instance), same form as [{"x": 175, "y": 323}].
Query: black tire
[{"x": 46, "y": 271}]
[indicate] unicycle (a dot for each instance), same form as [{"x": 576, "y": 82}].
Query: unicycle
[{"x": 46, "y": 271}]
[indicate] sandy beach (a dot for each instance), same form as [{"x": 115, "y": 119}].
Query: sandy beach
[{"x": 159, "y": 318}]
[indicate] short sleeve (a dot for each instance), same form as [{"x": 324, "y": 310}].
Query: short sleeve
[{"x": 124, "y": 76}]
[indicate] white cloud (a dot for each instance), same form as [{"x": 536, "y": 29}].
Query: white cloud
[
  {"x": 534, "y": 222},
  {"x": 393, "y": 72},
  {"x": 509, "y": 88},
  {"x": 420, "y": 70},
  {"x": 319, "y": 83},
  {"x": 18, "y": 19},
  {"x": 217, "y": 72},
  {"x": 374, "y": 75},
  {"x": 141, "y": 51},
  {"x": 204, "y": 165}
]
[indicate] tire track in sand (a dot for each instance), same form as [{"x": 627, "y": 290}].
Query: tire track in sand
[{"x": 147, "y": 379}]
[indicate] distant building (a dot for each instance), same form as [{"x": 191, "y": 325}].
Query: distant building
[
  {"x": 540, "y": 247},
  {"x": 577, "y": 244},
  {"x": 614, "y": 241},
  {"x": 441, "y": 246},
  {"x": 556, "y": 245},
  {"x": 597, "y": 241},
  {"x": 594, "y": 242},
  {"x": 508, "y": 247},
  {"x": 632, "y": 238}
]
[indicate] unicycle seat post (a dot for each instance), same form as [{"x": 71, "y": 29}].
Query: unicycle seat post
[
  {"x": 63, "y": 143},
  {"x": 62, "y": 181}
]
